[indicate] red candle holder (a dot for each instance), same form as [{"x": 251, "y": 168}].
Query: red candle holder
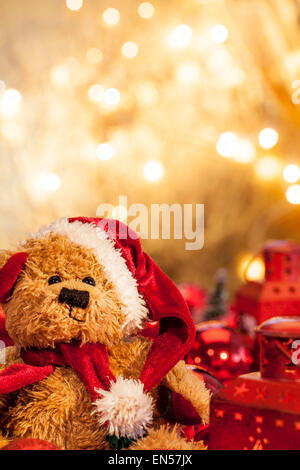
[
  {"x": 261, "y": 410},
  {"x": 278, "y": 294},
  {"x": 278, "y": 348}
]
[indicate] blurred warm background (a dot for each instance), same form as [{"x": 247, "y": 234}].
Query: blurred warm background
[{"x": 187, "y": 101}]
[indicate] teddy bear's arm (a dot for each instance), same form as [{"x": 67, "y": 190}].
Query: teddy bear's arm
[{"x": 181, "y": 380}]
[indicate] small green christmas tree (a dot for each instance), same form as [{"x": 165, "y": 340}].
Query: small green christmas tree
[{"x": 217, "y": 303}]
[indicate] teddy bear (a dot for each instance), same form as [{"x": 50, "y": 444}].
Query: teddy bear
[{"x": 99, "y": 333}]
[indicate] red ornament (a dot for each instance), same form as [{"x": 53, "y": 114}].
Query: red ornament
[
  {"x": 261, "y": 410},
  {"x": 196, "y": 299},
  {"x": 29, "y": 444},
  {"x": 278, "y": 294},
  {"x": 211, "y": 382},
  {"x": 200, "y": 432},
  {"x": 220, "y": 350}
]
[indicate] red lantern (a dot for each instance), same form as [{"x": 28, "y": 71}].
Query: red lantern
[
  {"x": 261, "y": 410},
  {"x": 278, "y": 295},
  {"x": 220, "y": 350}
]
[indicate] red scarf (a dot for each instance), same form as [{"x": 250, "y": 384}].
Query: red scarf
[{"x": 90, "y": 362}]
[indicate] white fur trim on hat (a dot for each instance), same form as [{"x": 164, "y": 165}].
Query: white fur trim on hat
[
  {"x": 111, "y": 259},
  {"x": 125, "y": 409}
]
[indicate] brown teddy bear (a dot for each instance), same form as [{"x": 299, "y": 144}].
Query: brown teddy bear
[{"x": 80, "y": 298}]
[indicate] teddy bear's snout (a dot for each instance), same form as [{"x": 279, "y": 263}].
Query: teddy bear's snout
[{"x": 74, "y": 297}]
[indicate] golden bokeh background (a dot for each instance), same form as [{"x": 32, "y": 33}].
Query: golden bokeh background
[{"x": 182, "y": 101}]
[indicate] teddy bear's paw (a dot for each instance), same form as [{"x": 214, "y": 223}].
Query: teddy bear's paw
[
  {"x": 126, "y": 410},
  {"x": 166, "y": 438}
]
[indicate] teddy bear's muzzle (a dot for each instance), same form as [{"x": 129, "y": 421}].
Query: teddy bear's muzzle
[{"x": 74, "y": 297}]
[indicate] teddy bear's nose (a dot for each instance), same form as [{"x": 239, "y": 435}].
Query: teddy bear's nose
[{"x": 74, "y": 297}]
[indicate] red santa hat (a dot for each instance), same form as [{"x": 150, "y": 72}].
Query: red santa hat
[{"x": 124, "y": 405}]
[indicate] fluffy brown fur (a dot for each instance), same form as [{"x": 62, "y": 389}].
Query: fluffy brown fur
[
  {"x": 166, "y": 438},
  {"x": 3, "y": 441},
  {"x": 58, "y": 409},
  {"x": 188, "y": 385}
]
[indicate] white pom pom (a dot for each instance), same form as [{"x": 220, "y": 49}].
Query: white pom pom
[{"x": 125, "y": 409}]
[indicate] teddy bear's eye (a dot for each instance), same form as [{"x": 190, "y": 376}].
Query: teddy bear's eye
[
  {"x": 89, "y": 280},
  {"x": 54, "y": 280}
]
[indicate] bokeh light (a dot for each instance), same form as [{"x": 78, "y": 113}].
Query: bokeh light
[
  {"x": 251, "y": 268},
  {"x": 111, "y": 16},
  {"x": 224, "y": 355},
  {"x": 180, "y": 37},
  {"x": 105, "y": 151},
  {"x": 10, "y": 102},
  {"x": 268, "y": 137},
  {"x": 74, "y": 5},
  {"x": 51, "y": 182},
  {"x": 227, "y": 144},
  {"x": 219, "y": 33},
  {"x": 291, "y": 173},
  {"x": 111, "y": 96},
  {"x": 293, "y": 194},
  {"x": 60, "y": 75},
  {"x": 268, "y": 168},
  {"x": 130, "y": 49},
  {"x": 153, "y": 171},
  {"x": 96, "y": 92},
  {"x": 146, "y": 10}
]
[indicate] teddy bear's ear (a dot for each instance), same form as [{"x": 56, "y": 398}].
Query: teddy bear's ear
[{"x": 12, "y": 266}]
